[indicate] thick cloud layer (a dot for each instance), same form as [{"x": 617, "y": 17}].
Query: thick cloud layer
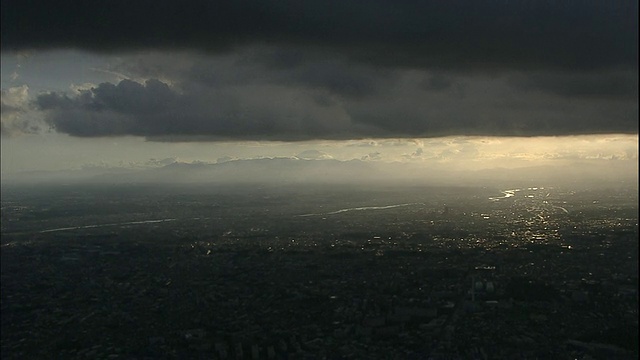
[
  {"x": 445, "y": 34},
  {"x": 288, "y": 107},
  {"x": 292, "y": 70},
  {"x": 156, "y": 111}
]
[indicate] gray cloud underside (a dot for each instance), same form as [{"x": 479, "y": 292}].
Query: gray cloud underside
[
  {"x": 232, "y": 102},
  {"x": 444, "y": 34},
  {"x": 292, "y": 70},
  {"x": 156, "y": 111}
]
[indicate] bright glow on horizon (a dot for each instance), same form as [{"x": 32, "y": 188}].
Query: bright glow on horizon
[{"x": 60, "y": 152}]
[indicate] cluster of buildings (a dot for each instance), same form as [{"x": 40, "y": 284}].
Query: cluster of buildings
[
  {"x": 106, "y": 297},
  {"x": 500, "y": 282}
]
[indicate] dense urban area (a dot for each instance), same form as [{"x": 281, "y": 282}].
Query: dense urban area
[{"x": 313, "y": 272}]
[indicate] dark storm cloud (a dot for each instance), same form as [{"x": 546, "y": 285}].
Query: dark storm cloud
[
  {"x": 276, "y": 112},
  {"x": 338, "y": 78},
  {"x": 299, "y": 70},
  {"x": 156, "y": 111},
  {"x": 613, "y": 84},
  {"x": 451, "y": 34},
  {"x": 334, "y": 75},
  {"x": 108, "y": 109},
  {"x": 437, "y": 82}
]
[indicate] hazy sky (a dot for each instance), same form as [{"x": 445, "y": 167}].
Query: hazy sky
[{"x": 138, "y": 82}]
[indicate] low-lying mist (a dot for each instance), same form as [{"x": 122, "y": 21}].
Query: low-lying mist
[{"x": 282, "y": 171}]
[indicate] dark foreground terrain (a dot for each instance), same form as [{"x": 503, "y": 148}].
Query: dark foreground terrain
[{"x": 311, "y": 272}]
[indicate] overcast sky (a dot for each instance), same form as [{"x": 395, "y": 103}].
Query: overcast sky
[{"x": 207, "y": 79}]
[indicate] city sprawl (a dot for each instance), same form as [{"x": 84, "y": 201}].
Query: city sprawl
[{"x": 319, "y": 272}]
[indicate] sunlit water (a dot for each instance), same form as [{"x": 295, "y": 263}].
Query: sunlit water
[
  {"x": 107, "y": 225},
  {"x": 361, "y": 209}
]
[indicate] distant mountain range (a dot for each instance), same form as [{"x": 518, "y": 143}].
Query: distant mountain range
[{"x": 296, "y": 171}]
